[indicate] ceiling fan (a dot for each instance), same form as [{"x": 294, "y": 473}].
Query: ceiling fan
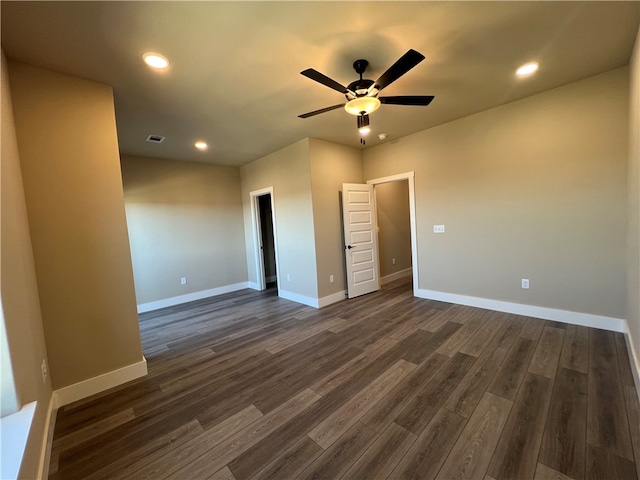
[{"x": 362, "y": 95}]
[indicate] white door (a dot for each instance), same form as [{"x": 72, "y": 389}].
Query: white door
[{"x": 360, "y": 239}]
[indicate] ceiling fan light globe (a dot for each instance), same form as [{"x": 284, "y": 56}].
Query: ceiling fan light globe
[{"x": 362, "y": 105}]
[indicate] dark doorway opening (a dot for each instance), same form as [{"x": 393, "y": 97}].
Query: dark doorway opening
[{"x": 267, "y": 246}]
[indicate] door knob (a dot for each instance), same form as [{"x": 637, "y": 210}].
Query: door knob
[{"x": 350, "y": 247}]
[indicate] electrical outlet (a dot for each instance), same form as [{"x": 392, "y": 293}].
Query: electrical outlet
[
  {"x": 525, "y": 283},
  {"x": 393, "y": 261},
  {"x": 45, "y": 371},
  {"x": 330, "y": 278},
  {"x": 183, "y": 281},
  {"x": 288, "y": 277},
  {"x": 438, "y": 229}
]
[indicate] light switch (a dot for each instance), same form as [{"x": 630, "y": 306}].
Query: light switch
[{"x": 438, "y": 229}]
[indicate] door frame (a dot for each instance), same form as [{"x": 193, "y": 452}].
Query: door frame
[
  {"x": 261, "y": 282},
  {"x": 410, "y": 177}
]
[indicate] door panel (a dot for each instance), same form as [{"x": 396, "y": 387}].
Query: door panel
[
  {"x": 361, "y": 238},
  {"x": 361, "y": 257},
  {"x": 361, "y": 248},
  {"x": 360, "y": 218}
]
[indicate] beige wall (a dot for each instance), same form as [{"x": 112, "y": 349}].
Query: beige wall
[
  {"x": 287, "y": 171},
  {"x": 20, "y": 303},
  {"x": 394, "y": 224},
  {"x": 633, "y": 229},
  {"x": 185, "y": 220},
  {"x": 71, "y": 172},
  {"x": 331, "y": 166},
  {"x": 532, "y": 189}
]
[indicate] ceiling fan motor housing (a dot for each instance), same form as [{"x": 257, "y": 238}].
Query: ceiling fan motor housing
[{"x": 360, "y": 87}]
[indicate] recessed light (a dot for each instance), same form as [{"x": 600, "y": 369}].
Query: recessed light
[
  {"x": 155, "y": 60},
  {"x": 382, "y": 136},
  {"x": 201, "y": 145},
  {"x": 527, "y": 69}
]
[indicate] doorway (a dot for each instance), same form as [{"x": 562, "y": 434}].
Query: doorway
[
  {"x": 394, "y": 231},
  {"x": 360, "y": 224},
  {"x": 409, "y": 178},
  {"x": 265, "y": 238}
]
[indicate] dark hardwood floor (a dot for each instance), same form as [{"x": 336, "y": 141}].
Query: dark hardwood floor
[{"x": 248, "y": 385}]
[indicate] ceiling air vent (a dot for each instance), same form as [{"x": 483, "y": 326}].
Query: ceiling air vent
[{"x": 155, "y": 138}]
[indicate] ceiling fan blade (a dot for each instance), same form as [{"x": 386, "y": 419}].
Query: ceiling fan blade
[
  {"x": 420, "y": 100},
  {"x": 317, "y": 112},
  {"x": 402, "y": 66},
  {"x": 323, "y": 79}
]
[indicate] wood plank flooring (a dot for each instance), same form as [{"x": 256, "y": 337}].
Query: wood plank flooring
[{"x": 250, "y": 386}]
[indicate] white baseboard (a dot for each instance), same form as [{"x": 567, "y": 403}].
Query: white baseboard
[
  {"x": 190, "y": 297},
  {"x": 253, "y": 285},
  {"x": 47, "y": 440},
  {"x": 312, "y": 302},
  {"x": 333, "y": 298},
  {"x": 407, "y": 272},
  {"x": 565, "y": 316},
  {"x": 633, "y": 357},
  {"x": 296, "y": 297},
  {"x": 86, "y": 388}
]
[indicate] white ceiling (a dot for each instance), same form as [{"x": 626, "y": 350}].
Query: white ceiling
[{"x": 235, "y": 82}]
